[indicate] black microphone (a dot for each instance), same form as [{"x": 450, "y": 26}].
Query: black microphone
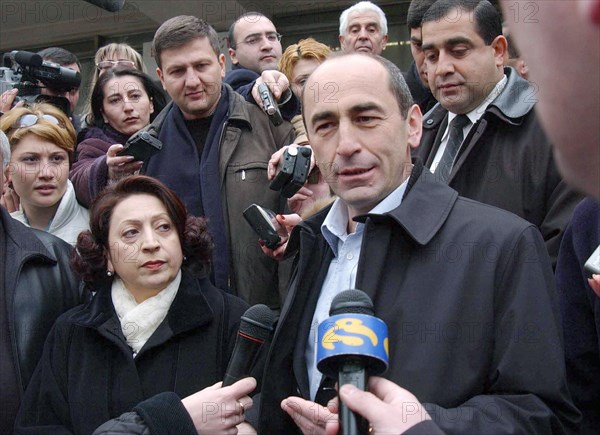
[
  {"x": 255, "y": 328},
  {"x": 353, "y": 344},
  {"x": 27, "y": 58},
  {"x": 108, "y": 5}
]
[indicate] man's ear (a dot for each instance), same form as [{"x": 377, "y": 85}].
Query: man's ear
[
  {"x": 414, "y": 126},
  {"x": 221, "y": 58},
  {"x": 159, "y": 73},
  {"x": 500, "y": 47},
  {"x": 384, "y": 42},
  {"x": 233, "y": 56}
]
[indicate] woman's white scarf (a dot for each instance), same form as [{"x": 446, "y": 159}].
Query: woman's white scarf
[{"x": 139, "y": 321}]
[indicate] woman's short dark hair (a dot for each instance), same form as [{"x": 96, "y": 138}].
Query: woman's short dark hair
[
  {"x": 89, "y": 257},
  {"x": 155, "y": 93}
]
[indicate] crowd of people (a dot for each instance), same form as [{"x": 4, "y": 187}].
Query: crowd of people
[{"x": 462, "y": 202}]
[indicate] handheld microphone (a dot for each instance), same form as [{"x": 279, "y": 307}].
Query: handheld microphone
[
  {"x": 255, "y": 328},
  {"x": 352, "y": 344}
]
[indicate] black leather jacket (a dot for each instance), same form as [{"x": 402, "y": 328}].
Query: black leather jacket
[{"x": 38, "y": 286}]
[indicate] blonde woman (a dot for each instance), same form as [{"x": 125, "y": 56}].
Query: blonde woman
[{"x": 42, "y": 140}]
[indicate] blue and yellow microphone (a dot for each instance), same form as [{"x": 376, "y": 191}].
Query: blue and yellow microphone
[{"x": 352, "y": 345}]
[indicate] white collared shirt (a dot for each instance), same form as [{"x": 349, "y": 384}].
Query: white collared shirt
[
  {"x": 342, "y": 270},
  {"x": 473, "y": 116}
]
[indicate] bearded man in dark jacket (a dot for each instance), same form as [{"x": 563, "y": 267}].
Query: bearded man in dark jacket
[
  {"x": 466, "y": 289},
  {"x": 505, "y": 158}
]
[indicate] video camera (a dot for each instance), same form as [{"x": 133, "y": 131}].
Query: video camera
[{"x": 25, "y": 71}]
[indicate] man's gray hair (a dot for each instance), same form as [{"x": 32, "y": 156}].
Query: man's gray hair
[
  {"x": 364, "y": 6},
  {"x": 5, "y": 149}
]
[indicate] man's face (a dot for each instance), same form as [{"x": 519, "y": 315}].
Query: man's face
[
  {"x": 461, "y": 69},
  {"x": 192, "y": 75},
  {"x": 360, "y": 140},
  {"x": 416, "y": 48},
  {"x": 72, "y": 95},
  {"x": 257, "y": 45},
  {"x": 363, "y": 34},
  {"x": 567, "y": 108}
]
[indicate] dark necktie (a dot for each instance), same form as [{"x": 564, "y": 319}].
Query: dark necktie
[{"x": 454, "y": 142}]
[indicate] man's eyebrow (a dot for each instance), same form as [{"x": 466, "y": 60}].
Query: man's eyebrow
[
  {"x": 458, "y": 40},
  {"x": 320, "y": 116},
  {"x": 448, "y": 43},
  {"x": 364, "y": 107}
]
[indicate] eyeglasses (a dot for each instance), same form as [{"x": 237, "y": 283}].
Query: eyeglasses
[
  {"x": 108, "y": 64},
  {"x": 255, "y": 39},
  {"x": 31, "y": 119}
]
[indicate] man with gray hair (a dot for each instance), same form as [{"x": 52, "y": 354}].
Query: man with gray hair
[{"x": 363, "y": 29}]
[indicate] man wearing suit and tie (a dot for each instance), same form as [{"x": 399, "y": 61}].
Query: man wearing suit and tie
[{"x": 484, "y": 138}]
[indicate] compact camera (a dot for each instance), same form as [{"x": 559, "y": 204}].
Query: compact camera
[
  {"x": 141, "y": 146},
  {"x": 263, "y": 221},
  {"x": 293, "y": 171},
  {"x": 592, "y": 265}
]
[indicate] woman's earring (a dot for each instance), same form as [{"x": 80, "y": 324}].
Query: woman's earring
[{"x": 109, "y": 273}]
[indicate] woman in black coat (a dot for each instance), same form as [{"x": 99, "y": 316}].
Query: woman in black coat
[{"x": 153, "y": 332}]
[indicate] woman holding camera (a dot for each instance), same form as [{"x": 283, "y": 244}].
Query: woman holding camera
[
  {"x": 156, "y": 329},
  {"x": 42, "y": 140},
  {"x": 123, "y": 102}
]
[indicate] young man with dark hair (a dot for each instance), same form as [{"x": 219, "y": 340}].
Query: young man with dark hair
[
  {"x": 484, "y": 139},
  {"x": 216, "y": 147},
  {"x": 65, "y": 59},
  {"x": 416, "y": 76},
  {"x": 254, "y": 46}
]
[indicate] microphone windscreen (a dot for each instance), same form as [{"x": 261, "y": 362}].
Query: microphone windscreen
[
  {"x": 26, "y": 58},
  {"x": 108, "y": 5},
  {"x": 352, "y": 301},
  {"x": 257, "y": 322}
]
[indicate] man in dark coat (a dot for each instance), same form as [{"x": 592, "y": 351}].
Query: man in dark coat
[
  {"x": 254, "y": 46},
  {"x": 416, "y": 76},
  {"x": 37, "y": 286},
  {"x": 505, "y": 158},
  {"x": 466, "y": 289}
]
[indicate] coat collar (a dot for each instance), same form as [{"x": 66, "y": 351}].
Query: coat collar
[
  {"x": 426, "y": 206},
  {"x": 189, "y": 309},
  {"x": 237, "y": 111},
  {"x": 514, "y": 102},
  {"x": 22, "y": 242}
]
